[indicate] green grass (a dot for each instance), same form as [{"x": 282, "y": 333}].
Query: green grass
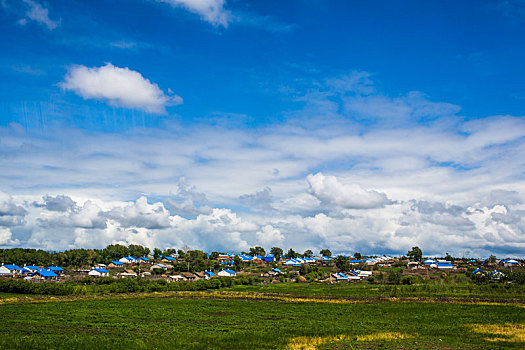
[
  {"x": 204, "y": 320},
  {"x": 439, "y": 289}
]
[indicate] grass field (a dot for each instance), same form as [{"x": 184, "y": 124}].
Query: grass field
[{"x": 253, "y": 317}]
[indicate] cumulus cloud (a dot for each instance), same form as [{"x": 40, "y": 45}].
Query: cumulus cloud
[
  {"x": 330, "y": 191},
  {"x": 11, "y": 214},
  {"x": 6, "y": 237},
  {"x": 186, "y": 200},
  {"x": 261, "y": 199},
  {"x": 58, "y": 203},
  {"x": 38, "y": 13},
  {"x": 120, "y": 87},
  {"x": 269, "y": 236},
  {"x": 211, "y": 11},
  {"x": 89, "y": 215},
  {"x": 141, "y": 214}
]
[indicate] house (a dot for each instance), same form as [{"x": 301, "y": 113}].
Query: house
[
  {"x": 176, "y": 278},
  {"x": 159, "y": 266},
  {"x": 509, "y": 262},
  {"x": 98, "y": 273},
  {"x": 33, "y": 268},
  {"x": 188, "y": 276},
  {"x": 45, "y": 275},
  {"x": 127, "y": 260},
  {"x": 56, "y": 269},
  {"x": 478, "y": 271},
  {"x": 202, "y": 276},
  {"x": 245, "y": 258},
  {"x": 210, "y": 274},
  {"x": 363, "y": 274},
  {"x": 339, "y": 276},
  {"x": 352, "y": 275},
  {"x": 269, "y": 258},
  {"x": 496, "y": 275},
  {"x": 143, "y": 260},
  {"x": 430, "y": 263},
  {"x": 275, "y": 271},
  {"x": 294, "y": 262},
  {"x": 115, "y": 264},
  {"x": 413, "y": 265},
  {"x": 227, "y": 273},
  {"x": 443, "y": 264},
  {"x": 127, "y": 273},
  {"x": 167, "y": 258},
  {"x": 10, "y": 270}
]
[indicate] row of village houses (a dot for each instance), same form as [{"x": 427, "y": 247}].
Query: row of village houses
[{"x": 53, "y": 272}]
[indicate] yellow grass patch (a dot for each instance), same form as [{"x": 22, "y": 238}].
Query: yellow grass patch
[
  {"x": 513, "y": 332},
  {"x": 311, "y": 343},
  {"x": 384, "y": 336}
]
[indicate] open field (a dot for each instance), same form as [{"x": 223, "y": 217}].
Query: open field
[{"x": 260, "y": 317}]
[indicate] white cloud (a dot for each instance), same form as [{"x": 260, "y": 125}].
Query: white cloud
[
  {"x": 453, "y": 185},
  {"x": 330, "y": 191},
  {"x": 120, "y": 87},
  {"x": 6, "y": 238},
  {"x": 38, "y": 13},
  {"x": 211, "y": 11},
  {"x": 269, "y": 236}
]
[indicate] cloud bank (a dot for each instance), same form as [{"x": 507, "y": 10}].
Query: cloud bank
[{"x": 417, "y": 174}]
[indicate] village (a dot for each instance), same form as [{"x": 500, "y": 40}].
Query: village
[{"x": 270, "y": 268}]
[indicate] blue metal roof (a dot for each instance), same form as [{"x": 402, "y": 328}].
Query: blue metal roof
[
  {"x": 229, "y": 271},
  {"x": 45, "y": 273},
  {"x": 13, "y": 267},
  {"x": 210, "y": 273},
  {"x": 116, "y": 262},
  {"x": 101, "y": 270},
  {"x": 35, "y": 268},
  {"x": 55, "y": 268}
]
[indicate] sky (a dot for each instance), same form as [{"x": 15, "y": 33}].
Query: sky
[{"x": 357, "y": 126}]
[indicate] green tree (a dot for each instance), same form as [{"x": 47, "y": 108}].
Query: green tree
[
  {"x": 342, "y": 263},
  {"x": 415, "y": 254},
  {"x": 157, "y": 253},
  {"x": 358, "y": 256},
  {"x": 308, "y": 253},
  {"x": 115, "y": 252},
  {"x": 257, "y": 251},
  {"x": 138, "y": 251},
  {"x": 326, "y": 252},
  {"x": 393, "y": 277},
  {"x": 277, "y": 253},
  {"x": 291, "y": 254}
]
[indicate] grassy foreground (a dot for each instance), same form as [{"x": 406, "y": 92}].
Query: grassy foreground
[{"x": 288, "y": 318}]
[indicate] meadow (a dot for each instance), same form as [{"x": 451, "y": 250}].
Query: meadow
[{"x": 280, "y": 316}]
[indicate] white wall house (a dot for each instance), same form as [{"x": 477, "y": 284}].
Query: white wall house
[
  {"x": 227, "y": 273},
  {"x": 98, "y": 273}
]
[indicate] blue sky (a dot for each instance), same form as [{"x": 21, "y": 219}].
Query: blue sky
[{"x": 359, "y": 126}]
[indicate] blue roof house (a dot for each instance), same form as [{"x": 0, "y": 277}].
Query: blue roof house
[
  {"x": 56, "y": 269},
  {"x": 44, "y": 274},
  {"x": 98, "y": 273},
  {"x": 227, "y": 273},
  {"x": 10, "y": 270}
]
